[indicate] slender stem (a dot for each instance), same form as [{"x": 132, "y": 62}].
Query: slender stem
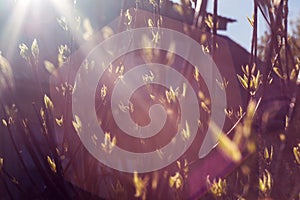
[
  {"x": 253, "y": 55},
  {"x": 11, "y": 178},
  {"x": 214, "y": 31},
  {"x": 6, "y": 186},
  {"x": 17, "y": 151},
  {"x": 215, "y": 17}
]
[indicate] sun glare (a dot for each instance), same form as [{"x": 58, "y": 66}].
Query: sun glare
[
  {"x": 26, "y": 15},
  {"x": 12, "y": 28}
]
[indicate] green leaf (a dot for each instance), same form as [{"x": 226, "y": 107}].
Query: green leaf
[
  {"x": 52, "y": 164},
  {"x": 6, "y": 74},
  {"x": 48, "y": 103},
  {"x": 1, "y": 163},
  {"x": 24, "y": 51},
  {"x": 150, "y": 23},
  {"x": 278, "y": 72},
  {"x": 243, "y": 81},
  {"x": 62, "y": 22},
  {"x": 251, "y": 21},
  {"x": 49, "y": 67},
  {"x": 35, "y": 51}
]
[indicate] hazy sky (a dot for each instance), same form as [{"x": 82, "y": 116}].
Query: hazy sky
[{"x": 241, "y": 31}]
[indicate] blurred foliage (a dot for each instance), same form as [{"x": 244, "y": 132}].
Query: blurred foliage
[
  {"x": 271, "y": 169},
  {"x": 293, "y": 40}
]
